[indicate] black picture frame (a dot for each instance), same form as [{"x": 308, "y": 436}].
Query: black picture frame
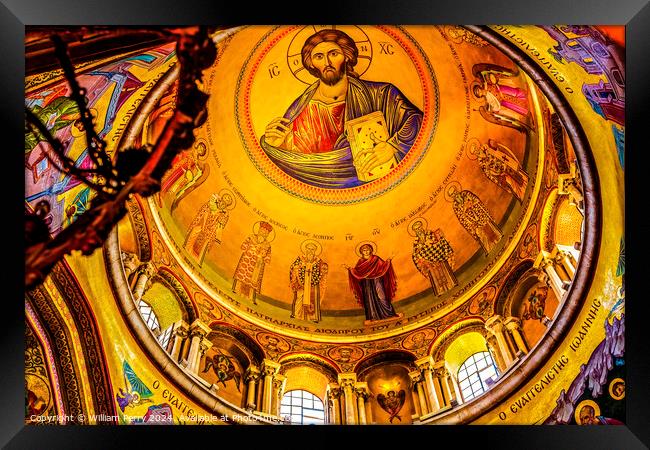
[{"x": 635, "y": 14}]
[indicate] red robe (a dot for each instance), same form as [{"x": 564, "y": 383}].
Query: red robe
[{"x": 364, "y": 278}]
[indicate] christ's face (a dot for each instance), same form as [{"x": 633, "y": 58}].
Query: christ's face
[{"x": 328, "y": 59}]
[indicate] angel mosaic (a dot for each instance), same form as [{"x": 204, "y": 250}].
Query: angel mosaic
[
  {"x": 223, "y": 368},
  {"x": 392, "y": 403},
  {"x": 135, "y": 393},
  {"x": 189, "y": 170},
  {"x": 505, "y": 103}
]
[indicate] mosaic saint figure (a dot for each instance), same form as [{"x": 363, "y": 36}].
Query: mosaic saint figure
[
  {"x": 373, "y": 283},
  {"x": 500, "y": 165},
  {"x": 474, "y": 217},
  {"x": 309, "y": 142},
  {"x": 187, "y": 173},
  {"x": 588, "y": 416},
  {"x": 433, "y": 257},
  {"x": 307, "y": 276},
  {"x": 505, "y": 104},
  {"x": 256, "y": 253},
  {"x": 207, "y": 226}
]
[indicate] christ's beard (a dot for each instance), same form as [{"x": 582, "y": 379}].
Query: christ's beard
[{"x": 331, "y": 77}]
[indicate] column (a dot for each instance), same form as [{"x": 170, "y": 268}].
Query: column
[
  {"x": 514, "y": 326},
  {"x": 547, "y": 264},
  {"x": 361, "y": 391},
  {"x": 347, "y": 382},
  {"x": 198, "y": 332},
  {"x": 334, "y": 393},
  {"x": 129, "y": 262},
  {"x": 443, "y": 376},
  {"x": 494, "y": 325},
  {"x": 252, "y": 376},
  {"x": 456, "y": 398},
  {"x": 568, "y": 185},
  {"x": 417, "y": 379},
  {"x": 179, "y": 334},
  {"x": 278, "y": 389},
  {"x": 565, "y": 259},
  {"x": 369, "y": 417},
  {"x": 438, "y": 375},
  {"x": 493, "y": 348},
  {"x": 145, "y": 272},
  {"x": 426, "y": 367},
  {"x": 269, "y": 369}
]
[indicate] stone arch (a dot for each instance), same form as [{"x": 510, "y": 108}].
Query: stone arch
[
  {"x": 567, "y": 223},
  {"x": 384, "y": 357},
  {"x": 442, "y": 342},
  {"x": 140, "y": 229},
  {"x": 546, "y": 222},
  {"x": 308, "y": 372},
  {"x": 170, "y": 281},
  {"x": 515, "y": 296},
  {"x": 324, "y": 365},
  {"x": 512, "y": 281},
  {"x": 254, "y": 354}
]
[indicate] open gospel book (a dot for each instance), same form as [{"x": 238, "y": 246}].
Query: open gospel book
[{"x": 364, "y": 133}]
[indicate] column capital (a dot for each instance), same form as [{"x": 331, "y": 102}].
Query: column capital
[
  {"x": 147, "y": 269},
  {"x": 439, "y": 368},
  {"x": 415, "y": 376},
  {"x": 181, "y": 329},
  {"x": 279, "y": 381},
  {"x": 204, "y": 346},
  {"x": 334, "y": 390},
  {"x": 425, "y": 363},
  {"x": 361, "y": 389},
  {"x": 252, "y": 373},
  {"x": 199, "y": 328},
  {"x": 494, "y": 324},
  {"x": 512, "y": 323},
  {"x": 270, "y": 367},
  {"x": 543, "y": 258},
  {"x": 347, "y": 379}
]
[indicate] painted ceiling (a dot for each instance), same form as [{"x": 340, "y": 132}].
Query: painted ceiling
[
  {"x": 252, "y": 83},
  {"x": 469, "y": 169}
]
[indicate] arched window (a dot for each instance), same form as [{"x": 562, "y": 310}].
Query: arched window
[
  {"x": 148, "y": 315},
  {"x": 474, "y": 373},
  {"x": 302, "y": 408}
]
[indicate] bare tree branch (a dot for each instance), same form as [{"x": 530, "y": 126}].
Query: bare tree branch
[
  {"x": 195, "y": 52},
  {"x": 66, "y": 165}
]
